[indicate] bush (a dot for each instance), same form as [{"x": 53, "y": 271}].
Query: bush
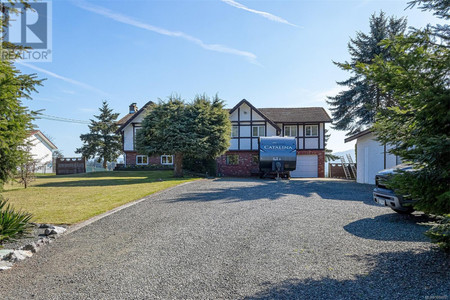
[
  {"x": 201, "y": 166},
  {"x": 440, "y": 234},
  {"x": 13, "y": 224}
]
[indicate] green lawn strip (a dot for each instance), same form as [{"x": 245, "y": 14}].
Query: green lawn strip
[{"x": 71, "y": 199}]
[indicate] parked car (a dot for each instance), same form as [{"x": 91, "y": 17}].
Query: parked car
[{"x": 384, "y": 196}]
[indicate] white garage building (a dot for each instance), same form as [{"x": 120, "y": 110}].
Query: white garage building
[{"x": 371, "y": 156}]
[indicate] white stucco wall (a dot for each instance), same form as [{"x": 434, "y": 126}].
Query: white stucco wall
[{"x": 370, "y": 159}]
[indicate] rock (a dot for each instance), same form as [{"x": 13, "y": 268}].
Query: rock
[
  {"x": 55, "y": 230},
  {"x": 46, "y": 226},
  {"x": 4, "y": 252},
  {"x": 30, "y": 247},
  {"x": 5, "y": 265},
  {"x": 17, "y": 255}
]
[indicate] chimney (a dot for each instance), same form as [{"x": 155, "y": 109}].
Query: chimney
[{"x": 133, "y": 108}]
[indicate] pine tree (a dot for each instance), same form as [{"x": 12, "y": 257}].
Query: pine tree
[
  {"x": 355, "y": 108},
  {"x": 102, "y": 141},
  {"x": 198, "y": 130}
]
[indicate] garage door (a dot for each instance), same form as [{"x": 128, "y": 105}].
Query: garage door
[{"x": 306, "y": 166}]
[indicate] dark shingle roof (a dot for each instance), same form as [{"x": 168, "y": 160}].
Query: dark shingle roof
[{"x": 296, "y": 114}]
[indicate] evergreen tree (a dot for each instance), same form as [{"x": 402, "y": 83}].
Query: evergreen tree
[
  {"x": 15, "y": 118},
  {"x": 200, "y": 130},
  {"x": 417, "y": 76},
  {"x": 355, "y": 108},
  {"x": 102, "y": 141}
]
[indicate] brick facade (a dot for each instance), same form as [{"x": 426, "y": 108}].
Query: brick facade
[
  {"x": 247, "y": 167},
  {"x": 131, "y": 158}
]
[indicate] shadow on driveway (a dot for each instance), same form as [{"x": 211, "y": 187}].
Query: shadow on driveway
[
  {"x": 391, "y": 227},
  {"x": 393, "y": 275},
  {"x": 257, "y": 189}
]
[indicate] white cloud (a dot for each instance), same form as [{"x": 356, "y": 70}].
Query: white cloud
[
  {"x": 66, "y": 79},
  {"x": 258, "y": 12},
  {"x": 178, "y": 34}
]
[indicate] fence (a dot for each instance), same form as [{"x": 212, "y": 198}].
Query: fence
[
  {"x": 70, "y": 165},
  {"x": 336, "y": 170}
]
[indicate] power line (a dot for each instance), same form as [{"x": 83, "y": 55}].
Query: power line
[{"x": 60, "y": 119}]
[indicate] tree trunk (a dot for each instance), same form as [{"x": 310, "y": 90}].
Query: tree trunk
[
  {"x": 105, "y": 164},
  {"x": 178, "y": 165}
]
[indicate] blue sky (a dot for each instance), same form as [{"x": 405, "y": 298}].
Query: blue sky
[{"x": 272, "y": 53}]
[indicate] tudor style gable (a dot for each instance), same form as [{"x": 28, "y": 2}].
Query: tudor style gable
[
  {"x": 248, "y": 124},
  {"x": 306, "y": 124}
]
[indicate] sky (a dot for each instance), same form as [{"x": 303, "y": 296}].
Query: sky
[{"x": 272, "y": 53}]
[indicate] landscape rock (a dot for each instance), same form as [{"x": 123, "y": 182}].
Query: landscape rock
[
  {"x": 4, "y": 252},
  {"x": 46, "y": 226},
  {"x": 30, "y": 247},
  {"x": 55, "y": 230},
  {"x": 5, "y": 265},
  {"x": 17, "y": 255}
]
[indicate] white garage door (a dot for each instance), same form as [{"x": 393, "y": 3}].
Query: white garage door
[{"x": 306, "y": 166}]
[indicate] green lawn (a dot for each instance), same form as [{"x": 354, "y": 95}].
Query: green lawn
[{"x": 68, "y": 199}]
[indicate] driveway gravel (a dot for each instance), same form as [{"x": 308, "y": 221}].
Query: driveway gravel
[{"x": 241, "y": 239}]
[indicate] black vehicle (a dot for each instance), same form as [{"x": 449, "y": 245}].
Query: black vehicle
[
  {"x": 277, "y": 156},
  {"x": 384, "y": 196}
]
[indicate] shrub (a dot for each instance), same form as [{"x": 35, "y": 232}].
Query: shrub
[
  {"x": 440, "y": 234},
  {"x": 13, "y": 224},
  {"x": 200, "y": 165}
]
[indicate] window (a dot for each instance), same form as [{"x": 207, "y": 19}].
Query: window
[
  {"x": 290, "y": 130},
  {"x": 255, "y": 159},
  {"x": 167, "y": 159},
  {"x": 141, "y": 160},
  {"x": 232, "y": 159},
  {"x": 234, "y": 131},
  {"x": 311, "y": 130},
  {"x": 258, "y": 131}
]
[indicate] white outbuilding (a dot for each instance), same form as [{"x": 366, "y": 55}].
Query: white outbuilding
[
  {"x": 41, "y": 149},
  {"x": 371, "y": 156}
]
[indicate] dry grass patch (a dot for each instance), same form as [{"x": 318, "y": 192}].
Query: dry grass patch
[{"x": 70, "y": 199}]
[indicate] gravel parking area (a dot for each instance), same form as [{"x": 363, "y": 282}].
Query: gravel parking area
[{"x": 241, "y": 239}]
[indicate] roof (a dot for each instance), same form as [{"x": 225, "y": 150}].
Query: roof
[
  {"x": 289, "y": 114},
  {"x": 128, "y": 118},
  {"x": 256, "y": 110},
  {"x": 124, "y": 119},
  {"x": 43, "y": 137},
  {"x": 357, "y": 135},
  {"x": 296, "y": 114}
]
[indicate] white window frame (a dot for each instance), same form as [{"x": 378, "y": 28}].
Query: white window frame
[
  {"x": 260, "y": 128},
  {"x": 233, "y": 133},
  {"x": 165, "y": 157},
  {"x": 290, "y": 127},
  {"x": 311, "y": 131},
  {"x": 142, "y": 160}
]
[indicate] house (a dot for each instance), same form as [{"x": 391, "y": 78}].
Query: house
[
  {"x": 128, "y": 127},
  {"x": 41, "y": 150},
  {"x": 371, "y": 156},
  {"x": 307, "y": 125}
]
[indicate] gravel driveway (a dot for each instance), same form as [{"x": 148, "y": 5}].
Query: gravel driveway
[{"x": 241, "y": 239}]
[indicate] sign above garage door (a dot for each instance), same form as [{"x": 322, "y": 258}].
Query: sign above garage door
[{"x": 307, "y": 166}]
